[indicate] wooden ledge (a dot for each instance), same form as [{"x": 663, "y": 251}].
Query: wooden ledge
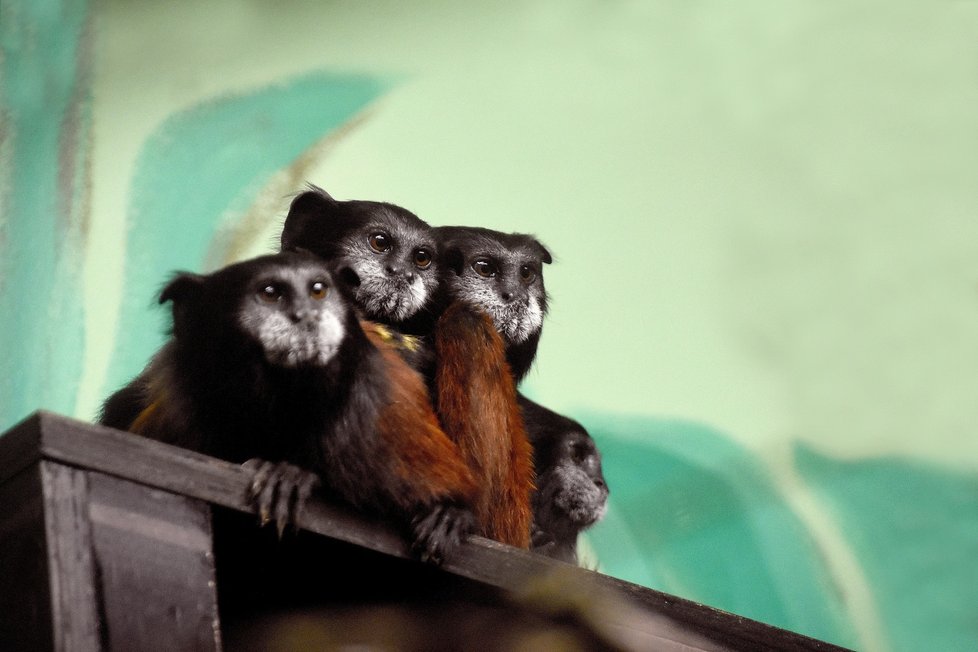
[{"x": 665, "y": 621}]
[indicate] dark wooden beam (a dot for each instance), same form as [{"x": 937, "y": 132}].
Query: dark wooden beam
[{"x": 667, "y": 621}]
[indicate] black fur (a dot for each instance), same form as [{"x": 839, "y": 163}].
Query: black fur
[
  {"x": 240, "y": 406},
  {"x": 509, "y": 288},
  {"x": 121, "y": 408},
  {"x": 571, "y": 492},
  {"x": 219, "y": 390}
]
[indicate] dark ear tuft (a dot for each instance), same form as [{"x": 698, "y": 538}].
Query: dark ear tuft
[
  {"x": 348, "y": 276},
  {"x": 453, "y": 259},
  {"x": 183, "y": 286},
  {"x": 305, "y": 211},
  {"x": 544, "y": 253},
  {"x": 316, "y": 189},
  {"x": 313, "y": 201}
]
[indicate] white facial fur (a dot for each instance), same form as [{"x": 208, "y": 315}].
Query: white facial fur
[
  {"x": 296, "y": 330},
  {"x": 383, "y": 295},
  {"x": 516, "y": 321}
]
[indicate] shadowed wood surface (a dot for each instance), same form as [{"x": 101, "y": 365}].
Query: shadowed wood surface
[{"x": 108, "y": 484}]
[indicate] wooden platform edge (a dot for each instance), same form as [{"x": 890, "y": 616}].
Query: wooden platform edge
[{"x": 49, "y": 436}]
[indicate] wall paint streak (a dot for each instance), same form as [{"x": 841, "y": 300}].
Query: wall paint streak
[
  {"x": 708, "y": 523},
  {"x": 914, "y": 527},
  {"x": 45, "y": 112},
  {"x": 203, "y": 167}
]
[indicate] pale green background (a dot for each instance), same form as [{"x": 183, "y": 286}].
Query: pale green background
[{"x": 765, "y": 294}]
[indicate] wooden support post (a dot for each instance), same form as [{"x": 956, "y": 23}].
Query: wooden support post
[{"x": 91, "y": 562}]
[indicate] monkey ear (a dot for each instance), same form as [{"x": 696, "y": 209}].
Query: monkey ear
[
  {"x": 347, "y": 282},
  {"x": 348, "y": 276},
  {"x": 313, "y": 200},
  {"x": 182, "y": 287},
  {"x": 305, "y": 215},
  {"x": 544, "y": 253},
  {"x": 319, "y": 191},
  {"x": 453, "y": 259},
  {"x": 181, "y": 290}
]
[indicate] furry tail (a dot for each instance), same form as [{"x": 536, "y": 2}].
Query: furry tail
[{"x": 475, "y": 398}]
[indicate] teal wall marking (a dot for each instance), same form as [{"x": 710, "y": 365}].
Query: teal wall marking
[
  {"x": 915, "y": 530},
  {"x": 44, "y": 149},
  {"x": 707, "y": 524},
  {"x": 202, "y": 163}
]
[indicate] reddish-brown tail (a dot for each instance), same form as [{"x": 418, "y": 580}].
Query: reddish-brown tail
[{"x": 476, "y": 403}]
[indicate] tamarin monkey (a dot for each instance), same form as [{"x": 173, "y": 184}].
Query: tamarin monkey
[
  {"x": 385, "y": 255},
  {"x": 571, "y": 493},
  {"x": 268, "y": 365},
  {"x": 388, "y": 258},
  {"x": 502, "y": 274}
]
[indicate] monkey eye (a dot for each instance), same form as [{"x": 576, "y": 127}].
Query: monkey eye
[
  {"x": 579, "y": 451},
  {"x": 484, "y": 267},
  {"x": 422, "y": 259},
  {"x": 380, "y": 242},
  {"x": 318, "y": 290},
  {"x": 270, "y": 293},
  {"x": 527, "y": 274}
]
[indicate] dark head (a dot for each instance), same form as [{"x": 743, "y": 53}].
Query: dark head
[
  {"x": 383, "y": 253},
  {"x": 501, "y": 273},
  {"x": 571, "y": 492},
  {"x": 283, "y": 305}
]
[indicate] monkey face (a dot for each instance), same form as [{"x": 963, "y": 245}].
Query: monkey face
[
  {"x": 500, "y": 273},
  {"x": 384, "y": 253},
  {"x": 293, "y": 312},
  {"x": 390, "y": 260},
  {"x": 578, "y": 496},
  {"x": 572, "y": 493},
  {"x": 508, "y": 288}
]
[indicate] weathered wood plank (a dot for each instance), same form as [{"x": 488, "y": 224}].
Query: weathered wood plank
[
  {"x": 184, "y": 472},
  {"x": 156, "y": 568},
  {"x": 199, "y": 477},
  {"x": 75, "y": 618}
]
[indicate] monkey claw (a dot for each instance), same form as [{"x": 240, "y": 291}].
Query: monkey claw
[{"x": 278, "y": 491}]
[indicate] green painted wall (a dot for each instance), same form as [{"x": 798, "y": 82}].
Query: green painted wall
[
  {"x": 203, "y": 163},
  {"x": 914, "y": 528},
  {"x": 765, "y": 297},
  {"x": 45, "y": 150}
]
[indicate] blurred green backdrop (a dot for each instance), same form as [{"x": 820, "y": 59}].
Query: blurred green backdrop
[{"x": 765, "y": 299}]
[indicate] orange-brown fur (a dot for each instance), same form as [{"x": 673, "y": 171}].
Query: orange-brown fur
[
  {"x": 476, "y": 403},
  {"x": 427, "y": 462}
]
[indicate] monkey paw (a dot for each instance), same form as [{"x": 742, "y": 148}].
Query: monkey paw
[
  {"x": 540, "y": 538},
  {"x": 278, "y": 491},
  {"x": 440, "y": 531}
]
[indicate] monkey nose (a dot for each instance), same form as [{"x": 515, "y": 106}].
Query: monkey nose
[
  {"x": 392, "y": 270},
  {"x": 507, "y": 296},
  {"x": 301, "y": 314}
]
